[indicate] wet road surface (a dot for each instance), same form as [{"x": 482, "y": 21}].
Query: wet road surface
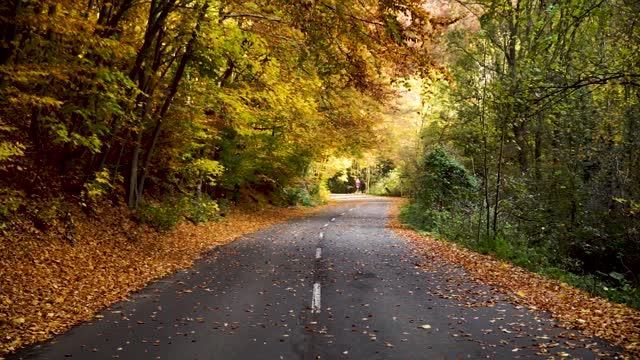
[{"x": 336, "y": 285}]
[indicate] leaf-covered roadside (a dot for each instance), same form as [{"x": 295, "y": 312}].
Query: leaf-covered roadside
[
  {"x": 572, "y": 307},
  {"x": 47, "y": 284}
]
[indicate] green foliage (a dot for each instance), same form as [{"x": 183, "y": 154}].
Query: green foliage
[
  {"x": 343, "y": 182},
  {"x": 47, "y": 212},
  {"x": 208, "y": 98},
  {"x": 308, "y": 195},
  {"x": 208, "y": 170},
  {"x": 204, "y": 210},
  {"x": 296, "y": 196},
  {"x": 389, "y": 185},
  {"x": 10, "y": 201},
  {"x": 537, "y": 258},
  {"x": 165, "y": 215},
  {"x": 500, "y": 247},
  {"x": 9, "y": 150},
  {"x": 102, "y": 183},
  {"x": 550, "y": 136},
  {"x": 442, "y": 180}
]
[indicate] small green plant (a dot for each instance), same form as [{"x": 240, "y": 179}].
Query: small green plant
[
  {"x": 99, "y": 186},
  {"x": 10, "y": 201},
  {"x": 165, "y": 215},
  {"x": 9, "y": 151},
  {"x": 204, "y": 210},
  {"x": 496, "y": 245},
  {"x": 224, "y": 206},
  {"x": 310, "y": 195}
]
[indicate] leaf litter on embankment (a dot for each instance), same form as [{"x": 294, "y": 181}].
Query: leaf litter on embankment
[
  {"x": 48, "y": 284},
  {"x": 572, "y": 307}
]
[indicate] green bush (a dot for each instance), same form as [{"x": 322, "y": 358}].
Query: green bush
[
  {"x": 10, "y": 201},
  {"x": 389, "y": 185},
  {"x": 310, "y": 195},
  {"x": 204, "y": 210},
  {"x": 165, "y": 215},
  {"x": 442, "y": 181},
  {"x": 495, "y": 245}
]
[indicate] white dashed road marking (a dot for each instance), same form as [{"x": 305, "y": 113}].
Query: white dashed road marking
[
  {"x": 321, "y": 236},
  {"x": 318, "y": 253},
  {"x": 315, "y": 300}
]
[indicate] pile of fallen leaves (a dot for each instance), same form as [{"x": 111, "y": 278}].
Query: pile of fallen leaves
[
  {"x": 572, "y": 307},
  {"x": 49, "y": 282}
]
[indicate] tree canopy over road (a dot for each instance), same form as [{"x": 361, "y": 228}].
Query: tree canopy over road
[
  {"x": 511, "y": 124},
  {"x": 194, "y": 96}
]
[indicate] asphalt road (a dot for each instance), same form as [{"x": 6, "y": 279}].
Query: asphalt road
[{"x": 337, "y": 285}]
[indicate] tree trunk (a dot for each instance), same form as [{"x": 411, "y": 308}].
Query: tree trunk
[
  {"x": 499, "y": 176},
  {"x": 520, "y": 134},
  {"x": 173, "y": 90},
  {"x": 537, "y": 151},
  {"x": 143, "y": 72},
  {"x": 133, "y": 196},
  {"x": 132, "y": 201},
  {"x": 485, "y": 149}
]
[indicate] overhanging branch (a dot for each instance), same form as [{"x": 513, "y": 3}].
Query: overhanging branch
[{"x": 247, "y": 15}]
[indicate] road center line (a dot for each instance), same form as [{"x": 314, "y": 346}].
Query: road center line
[
  {"x": 315, "y": 299},
  {"x": 318, "y": 253}
]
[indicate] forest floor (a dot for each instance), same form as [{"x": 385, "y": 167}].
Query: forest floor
[
  {"x": 49, "y": 283},
  {"x": 574, "y": 308}
]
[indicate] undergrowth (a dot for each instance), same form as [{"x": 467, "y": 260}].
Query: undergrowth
[
  {"x": 305, "y": 195},
  {"x": 510, "y": 247},
  {"x": 166, "y": 214}
]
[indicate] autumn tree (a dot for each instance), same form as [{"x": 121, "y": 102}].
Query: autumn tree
[{"x": 544, "y": 100}]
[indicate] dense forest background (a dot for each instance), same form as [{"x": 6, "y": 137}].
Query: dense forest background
[
  {"x": 532, "y": 151},
  {"x": 178, "y": 107}
]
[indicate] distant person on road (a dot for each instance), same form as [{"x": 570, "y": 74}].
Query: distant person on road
[{"x": 357, "y": 185}]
